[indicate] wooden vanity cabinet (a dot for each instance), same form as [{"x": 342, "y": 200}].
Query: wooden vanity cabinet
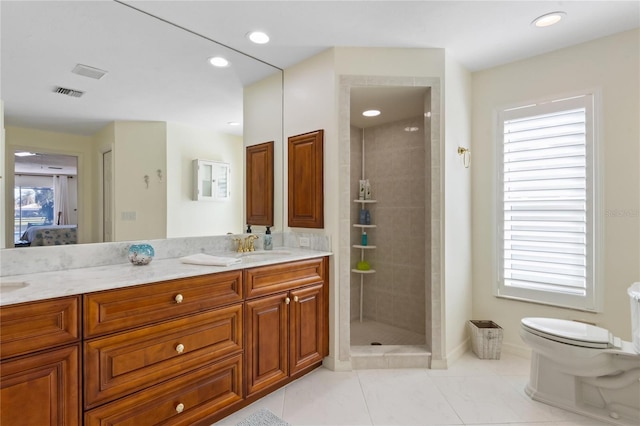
[
  {"x": 173, "y": 353},
  {"x": 286, "y": 323},
  {"x": 178, "y": 352},
  {"x": 40, "y": 363}
]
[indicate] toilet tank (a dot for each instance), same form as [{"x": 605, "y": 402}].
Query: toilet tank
[{"x": 634, "y": 295}]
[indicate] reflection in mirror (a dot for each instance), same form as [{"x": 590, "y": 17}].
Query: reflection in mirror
[
  {"x": 135, "y": 100},
  {"x": 46, "y": 195},
  {"x": 259, "y": 188}
]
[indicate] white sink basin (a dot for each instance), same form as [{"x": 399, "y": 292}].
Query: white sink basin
[
  {"x": 8, "y": 286},
  {"x": 263, "y": 255}
]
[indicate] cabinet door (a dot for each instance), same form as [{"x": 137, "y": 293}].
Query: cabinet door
[
  {"x": 307, "y": 329},
  {"x": 306, "y": 202},
  {"x": 260, "y": 184},
  {"x": 41, "y": 389},
  {"x": 267, "y": 334}
]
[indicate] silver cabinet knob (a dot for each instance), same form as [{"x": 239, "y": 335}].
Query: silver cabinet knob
[
  {"x": 178, "y": 298},
  {"x": 287, "y": 300},
  {"x": 180, "y": 407},
  {"x": 180, "y": 348},
  {"x": 295, "y": 298}
]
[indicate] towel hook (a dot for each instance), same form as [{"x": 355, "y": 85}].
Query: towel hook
[{"x": 466, "y": 156}]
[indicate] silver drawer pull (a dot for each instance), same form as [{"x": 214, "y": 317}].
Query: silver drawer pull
[
  {"x": 180, "y": 407},
  {"x": 180, "y": 348},
  {"x": 178, "y": 298}
]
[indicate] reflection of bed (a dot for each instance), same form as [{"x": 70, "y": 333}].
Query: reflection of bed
[{"x": 51, "y": 235}]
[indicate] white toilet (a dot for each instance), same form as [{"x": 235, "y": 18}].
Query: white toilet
[{"x": 585, "y": 369}]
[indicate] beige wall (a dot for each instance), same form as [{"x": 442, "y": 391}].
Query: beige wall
[
  {"x": 140, "y": 149},
  {"x": 3, "y": 202},
  {"x": 457, "y": 208},
  {"x": 610, "y": 65},
  {"x": 185, "y": 216}
]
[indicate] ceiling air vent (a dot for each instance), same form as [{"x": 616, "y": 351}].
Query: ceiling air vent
[
  {"x": 68, "y": 92},
  {"x": 88, "y": 71}
]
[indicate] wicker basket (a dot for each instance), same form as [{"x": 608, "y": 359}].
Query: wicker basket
[{"x": 486, "y": 339}]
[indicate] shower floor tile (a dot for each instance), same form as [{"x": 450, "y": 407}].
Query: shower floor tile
[{"x": 367, "y": 332}]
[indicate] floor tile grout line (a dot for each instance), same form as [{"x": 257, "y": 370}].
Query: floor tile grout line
[{"x": 364, "y": 397}]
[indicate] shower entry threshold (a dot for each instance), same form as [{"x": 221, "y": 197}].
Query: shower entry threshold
[{"x": 390, "y": 356}]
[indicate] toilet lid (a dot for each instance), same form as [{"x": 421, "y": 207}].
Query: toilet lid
[{"x": 570, "y": 332}]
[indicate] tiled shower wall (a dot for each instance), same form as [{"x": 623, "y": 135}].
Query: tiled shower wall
[{"x": 396, "y": 166}]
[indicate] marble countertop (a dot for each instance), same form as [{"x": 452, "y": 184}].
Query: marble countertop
[{"x": 46, "y": 285}]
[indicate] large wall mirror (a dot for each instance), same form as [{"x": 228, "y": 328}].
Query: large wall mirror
[{"x": 130, "y": 100}]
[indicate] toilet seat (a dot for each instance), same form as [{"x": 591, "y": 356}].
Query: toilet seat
[{"x": 572, "y": 333}]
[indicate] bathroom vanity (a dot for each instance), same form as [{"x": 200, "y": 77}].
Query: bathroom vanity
[{"x": 184, "y": 348}]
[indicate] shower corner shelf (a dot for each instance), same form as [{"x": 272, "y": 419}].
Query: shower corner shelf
[
  {"x": 360, "y": 271},
  {"x": 363, "y": 247}
]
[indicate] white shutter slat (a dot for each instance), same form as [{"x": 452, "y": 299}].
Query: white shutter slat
[{"x": 545, "y": 247}]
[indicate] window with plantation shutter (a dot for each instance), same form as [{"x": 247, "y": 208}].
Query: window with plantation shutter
[{"x": 547, "y": 203}]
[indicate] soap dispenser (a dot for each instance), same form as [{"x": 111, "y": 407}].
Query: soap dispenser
[{"x": 268, "y": 242}]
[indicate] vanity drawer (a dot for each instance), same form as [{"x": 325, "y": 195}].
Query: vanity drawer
[
  {"x": 29, "y": 327},
  {"x": 123, "y": 363},
  {"x": 265, "y": 280},
  {"x": 121, "y": 309},
  {"x": 185, "y": 400}
]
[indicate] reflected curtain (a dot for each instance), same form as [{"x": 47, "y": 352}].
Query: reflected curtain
[{"x": 61, "y": 200}]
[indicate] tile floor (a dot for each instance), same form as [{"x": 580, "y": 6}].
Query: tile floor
[{"x": 471, "y": 392}]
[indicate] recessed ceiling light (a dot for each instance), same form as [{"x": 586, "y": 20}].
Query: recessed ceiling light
[
  {"x": 24, "y": 154},
  {"x": 233, "y": 123},
  {"x": 258, "y": 37},
  {"x": 548, "y": 19},
  {"x": 371, "y": 113},
  {"x": 218, "y": 61},
  {"x": 411, "y": 129}
]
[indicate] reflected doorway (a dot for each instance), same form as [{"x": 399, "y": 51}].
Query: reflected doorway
[
  {"x": 107, "y": 196},
  {"x": 45, "y": 197}
]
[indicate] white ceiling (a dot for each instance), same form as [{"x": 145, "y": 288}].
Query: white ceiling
[{"x": 158, "y": 71}]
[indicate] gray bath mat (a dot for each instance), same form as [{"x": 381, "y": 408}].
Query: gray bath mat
[{"x": 263, "y": 417}]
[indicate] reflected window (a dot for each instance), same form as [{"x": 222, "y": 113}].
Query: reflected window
[{"x": 33, "y": 205}]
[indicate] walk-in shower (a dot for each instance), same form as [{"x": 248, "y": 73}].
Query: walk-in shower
[{"x": 390, "y": 301}]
